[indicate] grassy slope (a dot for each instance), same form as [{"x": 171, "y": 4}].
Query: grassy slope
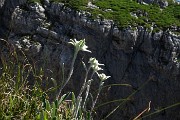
[{"x": 121, "y": 9}]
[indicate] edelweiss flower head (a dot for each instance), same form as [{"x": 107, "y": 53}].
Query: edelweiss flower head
[
  {"x": 95, "y": 64},
  {"x": 103, "y": 77},
  {"x": 96, "y": 68},
  {"x": 79, "y": 45},
  {"x": 73, "y": 42}
]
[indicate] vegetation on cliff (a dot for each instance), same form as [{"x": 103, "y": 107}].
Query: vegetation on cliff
[
  {"x": 129, "y": 12},
  {"x": 122, "y": 12},
  {"x": 25, "y": 89},
  {"x": 20, "y": 100}
]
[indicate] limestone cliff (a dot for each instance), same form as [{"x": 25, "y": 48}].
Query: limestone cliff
[{"x": 133, "y": 56}]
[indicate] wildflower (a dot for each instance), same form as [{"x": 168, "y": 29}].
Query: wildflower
[
  {"x": 96, "y": 68},
  {"x": 103, "y": 77},
  {"x": 95, "y": 64},
  {"x": 79, "y": 45}
]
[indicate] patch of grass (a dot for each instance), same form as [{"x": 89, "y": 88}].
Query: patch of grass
[
  {"x": 122, "y": 9},
  {"x": 21, "y": 100},
  {"x": 17, "y": 99},
  {"x": 147, "y": 14}
]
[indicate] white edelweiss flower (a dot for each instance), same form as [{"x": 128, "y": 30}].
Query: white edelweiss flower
[
  {"x": 79, "y": 45},
  {"x": 73, "y": 42},
  {"x": 94, "y": 62},
  {"x": 103, "y": 77},
  {"x": 96, "y": 68},
  {"x": 83, "y": 46},
  {"x": 91, "y": 60}
]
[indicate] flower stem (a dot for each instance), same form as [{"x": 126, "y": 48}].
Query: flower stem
[
  {"x": 99, "y": 90},
  {"x": 70, "y": 73},
  {"x": 84, "y": 84}
]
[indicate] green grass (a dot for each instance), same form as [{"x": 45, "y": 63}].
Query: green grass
[
  {"x": 24, "y": 96},
  {"x": 21, "y": 100},
  {"x": 121, "y": 10},
  {"x": 17, "y": 99}
]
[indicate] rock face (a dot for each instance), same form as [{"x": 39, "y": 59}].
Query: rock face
[
  {"x": 161, "y": 3},
  {"x": 147, "y": 61}
]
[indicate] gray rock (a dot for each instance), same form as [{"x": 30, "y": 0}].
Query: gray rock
[
  {"x": 28, "y": 24},
  {"x": 32, "y": 48},
  {"x": 1, "y": 3},
  {"x": 90, "y": 5},
  {"x": 37, "y": 9},
  {"x": 47, "y": 33},
  {"x": 46, "y": 3},
  {"x": 131, "y": 56},
  {"x": 161, "y": 3}
]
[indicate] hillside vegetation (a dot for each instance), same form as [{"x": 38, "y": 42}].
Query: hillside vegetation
[
  {"x": 146, "y": 14},
  {"x": 129, "y": 12}
]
